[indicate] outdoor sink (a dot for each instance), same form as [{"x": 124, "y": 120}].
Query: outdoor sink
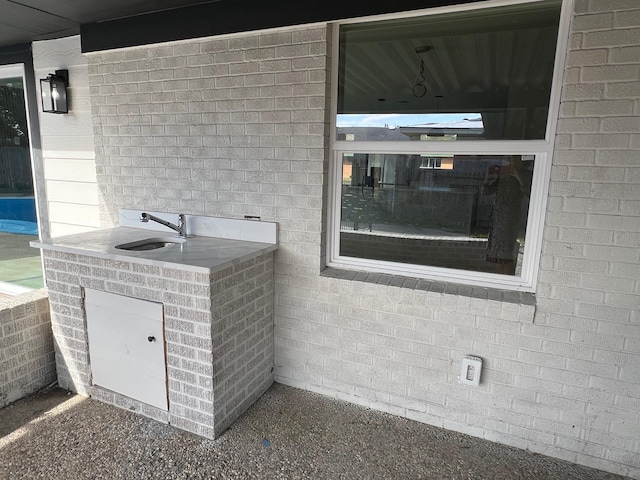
[{"x": 150, "y": 243}]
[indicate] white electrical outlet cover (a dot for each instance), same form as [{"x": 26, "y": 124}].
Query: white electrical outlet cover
[{"x": 470, "y": 370}]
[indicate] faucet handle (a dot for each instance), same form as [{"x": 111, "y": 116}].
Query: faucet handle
[{"x": 182, "y": 225}]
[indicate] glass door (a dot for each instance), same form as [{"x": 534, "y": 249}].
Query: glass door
[{"x": 20, "y": 264}]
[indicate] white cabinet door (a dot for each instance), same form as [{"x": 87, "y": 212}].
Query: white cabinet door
[{"x": 126, "y": 346}]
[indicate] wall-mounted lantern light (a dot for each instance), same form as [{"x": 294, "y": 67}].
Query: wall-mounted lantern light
[{"x": 54, "y": 92}]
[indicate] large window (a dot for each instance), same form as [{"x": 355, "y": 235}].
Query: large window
[
  {"x": 20, "y": 265},
  {"x": 443, "y": 136}
]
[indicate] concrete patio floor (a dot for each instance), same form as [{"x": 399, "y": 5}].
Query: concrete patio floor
[{"x": 288, "y": 434}]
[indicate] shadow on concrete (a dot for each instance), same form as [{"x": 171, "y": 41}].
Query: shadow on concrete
[
  {"x": 20, "y": 413},
  {"x": 287, "y": 434}
]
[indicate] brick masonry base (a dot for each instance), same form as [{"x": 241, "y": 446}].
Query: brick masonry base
[
  {"x": 218, "y": 333},
  {"x": 26, "y": 346}
]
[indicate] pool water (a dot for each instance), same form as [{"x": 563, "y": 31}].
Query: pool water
[
  {"x": 18, "y": 215},
  {"x": 19, "y": 226},
  {"x": 20, "y": 265}
]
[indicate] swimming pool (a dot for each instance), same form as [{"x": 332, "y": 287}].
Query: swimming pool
[
  {"x": 18, "y": 215},
  {"x": 18, "y": 226}
]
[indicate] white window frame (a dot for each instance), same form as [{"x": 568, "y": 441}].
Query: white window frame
[{"x": 542, "y": 149}]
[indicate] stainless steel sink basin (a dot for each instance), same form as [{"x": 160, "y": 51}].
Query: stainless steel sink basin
[{"x": 150, "y": 243}]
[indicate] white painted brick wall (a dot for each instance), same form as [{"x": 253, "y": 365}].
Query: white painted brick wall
[
  {"x": 592, "y": 259},
  {"x": 237, "y": 126},
  {"x": 26, "y": 346}
]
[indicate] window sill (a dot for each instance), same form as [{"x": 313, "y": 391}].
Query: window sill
[{"x": 525, "y": 301}]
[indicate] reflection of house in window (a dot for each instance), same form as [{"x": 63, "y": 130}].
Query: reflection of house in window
[
  {"x": 441, "y": 163},
  {"x": 445, "y": 131},
  {"x": 347, "y": 169}
]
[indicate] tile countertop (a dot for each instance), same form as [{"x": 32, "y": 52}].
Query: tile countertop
[{"x": 198, "y": 254}]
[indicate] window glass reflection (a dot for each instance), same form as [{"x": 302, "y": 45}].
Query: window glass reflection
[
  {"x": 491, "y": 67},
  {"x": 454, "y": 211},
  {"x": 20, "y": 265}
]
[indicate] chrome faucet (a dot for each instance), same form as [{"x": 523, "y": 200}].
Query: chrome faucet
[{"x": 181, "y": 228}]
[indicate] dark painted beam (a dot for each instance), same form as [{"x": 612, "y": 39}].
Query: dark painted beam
[
  {"x": 234, "y": 16},
  {"x": 15, "y": 53}
]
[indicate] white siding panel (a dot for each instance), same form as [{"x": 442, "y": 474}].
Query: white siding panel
[
  {"x": 75, "y": 124},
  {"x": 68, "y": 146},
  {"x": 69, "y": 143},
  {"x": 73, "y": 170},
  {"x": 79, "y": 215},
  {"x": 57, "y": 54},
  {"x": 72, "y": 192},
  {"x": 62, "y": 229}
]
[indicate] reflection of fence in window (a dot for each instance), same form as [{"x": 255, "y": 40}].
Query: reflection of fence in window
[
  {"x": 15, "y": 160},
  {"x": 446, "y": 212},
  {"x": 442, "y": 208},
  {"x": 440, "y": 193},
  {"x": 15, "y": 170},
  {"x": 360, "y": 208}
]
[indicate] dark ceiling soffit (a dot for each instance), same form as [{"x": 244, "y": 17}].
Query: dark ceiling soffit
[
  {"x": 233, "y": 16},
  {"x": 20, "y": 50}
]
